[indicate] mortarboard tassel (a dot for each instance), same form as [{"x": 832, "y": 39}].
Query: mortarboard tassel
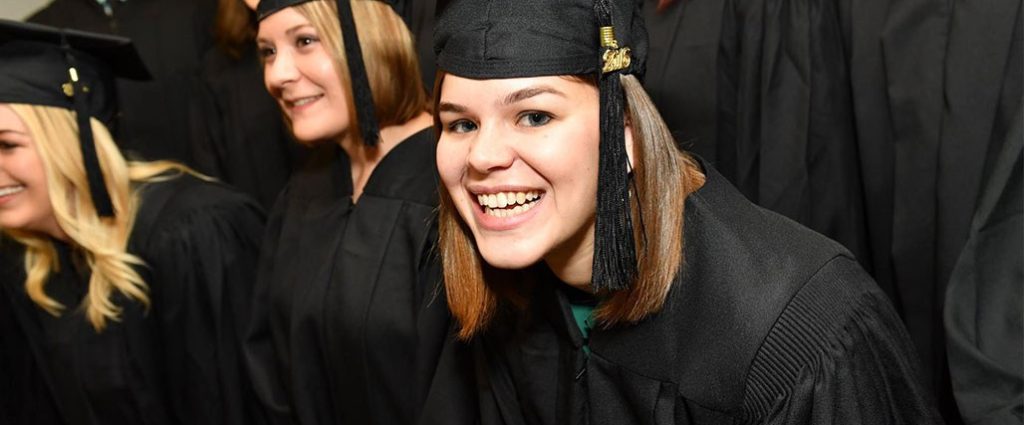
[
  {"x": 361, "y": 93},
  {"x": 93, "y": 173},
  {"x": 614, "y": 249}
]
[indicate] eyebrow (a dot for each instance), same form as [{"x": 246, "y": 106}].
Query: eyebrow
[
  {"x": 287, "y": 32},
  {"x": 5, "y": 131},
  {"x": 523, "y": 94},
  {"x": 516, "y": 96}
]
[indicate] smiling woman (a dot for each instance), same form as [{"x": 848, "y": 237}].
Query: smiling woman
[
  {"x": 126, "y": 267},
  {"x": 348, "y": 324},
  {"x": 602, "y": 275}
]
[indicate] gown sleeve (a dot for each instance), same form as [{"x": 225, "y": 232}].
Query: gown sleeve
[
  {"x": 838, "y": 355},
  {"x": 259, "y": 350},
  {"x": 203, "y": 258}
]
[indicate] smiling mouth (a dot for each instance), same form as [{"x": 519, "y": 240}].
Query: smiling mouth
[
  {"x": 10, "y": 190},
  {"x": 303, "y": 101},
  {"x": 508, "y": 204}
]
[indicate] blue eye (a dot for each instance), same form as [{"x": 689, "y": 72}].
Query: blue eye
[
  {"x": 534, "y": 119},
  {"x": 461, "y": 126}
]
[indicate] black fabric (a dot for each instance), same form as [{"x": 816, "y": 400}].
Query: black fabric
[
  {"x": 530, "y": 38},
  {"x": 238, "y": 135},
  {"x": 768, "y": 323},
  {"x": 349, "y": 317},
  {"x": 178, "y": 362},
  {"x": 35, "y": 66},
  {"x": 171, "y": 37},
  {"x": 761, "y": 89},
  {"x": 984, "y": 307}
]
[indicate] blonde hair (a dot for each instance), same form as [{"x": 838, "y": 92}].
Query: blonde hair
[
  {"x": 662, "y": 171},
  {"x": 389, "y": 54},
  {"x": 103, "y": 241}
]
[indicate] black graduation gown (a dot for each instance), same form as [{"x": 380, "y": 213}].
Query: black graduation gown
[
  {"x": 238, "y": 135},
  {"x": 984, "y": 307},
  {"x": 761, "y": 89},
  {"x": 349, "y": 317},
  {"x": 768, "y": 323},
  {"x": 171, "y": 36},
  {"x": 178, "y": 363}
]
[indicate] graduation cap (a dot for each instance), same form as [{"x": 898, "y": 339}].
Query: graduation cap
[
  {"x": 361, "y": 93},
  {"x": 68, "y": 69},
  {"x": 488, "y": 39}
]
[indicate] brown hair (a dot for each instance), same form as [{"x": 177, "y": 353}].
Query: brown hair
[
  {"x": 388, "y": 52},
  {"x": 662, "y": 171},
  {"x": 234, "y": 27}
]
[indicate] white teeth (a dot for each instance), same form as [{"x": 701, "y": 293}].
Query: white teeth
[
  {"x": 507, "y": 204},
  {"x": 502, "y": 213},
  {"x": 305, "y": 100},
  {"x": 10, "y": 190}
]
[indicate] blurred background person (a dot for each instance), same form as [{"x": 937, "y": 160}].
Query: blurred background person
[
  {"x": 349, "y": 318},
  {"x": 129, "y": 301}
]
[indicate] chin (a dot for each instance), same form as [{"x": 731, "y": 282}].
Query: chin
[{"x": 498, "y": 255}]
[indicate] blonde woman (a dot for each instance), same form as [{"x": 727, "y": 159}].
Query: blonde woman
[
  {"x": 131, "y": 295},
  {"x": 348, "y": 322},
  {"x": 604, "y": 276}
]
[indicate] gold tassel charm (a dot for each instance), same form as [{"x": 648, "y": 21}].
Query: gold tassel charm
[{"x": 615, "y": 58}]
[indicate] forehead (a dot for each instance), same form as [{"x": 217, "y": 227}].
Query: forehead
[
  {"x": 10, "y": 120},
  {"x": 469, "y": 92},
  {"x": 281, "y": 23}
]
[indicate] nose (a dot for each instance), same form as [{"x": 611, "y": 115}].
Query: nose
[
  {"x": 280, "y": 71},
  {"x": 491, "y": 151}
]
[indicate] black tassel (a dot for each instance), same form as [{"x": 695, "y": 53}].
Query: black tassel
[
  {"x": 614, "y": 249},
  {"x": 93, "y": 173},
  {"x": 366, "y": 112}
]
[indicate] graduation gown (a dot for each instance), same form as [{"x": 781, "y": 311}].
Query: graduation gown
[
  {"x": 349, "y": 319},
  {"x": 171, "y": 37},
  {"x": 178, "y": 362},
  {"x": 984, "y": 310},
  {"x": 238, "y": 135},
  {"x": 767, "y": 323},
  {"x": 761, "y": 89}
]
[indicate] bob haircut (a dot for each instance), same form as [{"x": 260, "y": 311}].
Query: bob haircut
[
  {"x": 661, "y": 171},
  {"x": 103, "y": 241},
  {"x": 388, "y": 53}
]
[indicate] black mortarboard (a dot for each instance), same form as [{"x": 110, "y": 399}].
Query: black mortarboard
[
  {"x": 361, "y": 93},
  {"x": 486, "y": 39},
  {"x": 69, "y": 69}
]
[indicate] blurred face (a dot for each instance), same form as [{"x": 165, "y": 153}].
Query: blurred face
[
  {"x": 300, "y": 74},
  {"x": 519, "y": 159},
  {"x": 24, "y": 198},
  {"x": 251, "y": 4}
]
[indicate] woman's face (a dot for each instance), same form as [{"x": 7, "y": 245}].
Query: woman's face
[
  {"x": 299, "y": 72},
  {"x": 519, "y": 159},
  {"x": 24, "y": 197}
]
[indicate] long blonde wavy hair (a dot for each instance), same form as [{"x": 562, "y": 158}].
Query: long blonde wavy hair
[{"x": 102, "y": 241}]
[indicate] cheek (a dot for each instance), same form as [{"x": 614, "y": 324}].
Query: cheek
[{"x": 451, "y": 162}]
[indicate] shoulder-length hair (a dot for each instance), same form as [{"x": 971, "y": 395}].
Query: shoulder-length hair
[
  {"x": 389, "y": 54},
  {"x": 661, "y": 172},
  {"x": 103, "y": 241},
  {"x": 234, "y": 27}
]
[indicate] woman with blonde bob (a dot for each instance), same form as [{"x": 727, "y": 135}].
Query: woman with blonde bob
[
  {"x": 130, "y": 300},
  {"x": 349, "y": 321},
  {"x": 603, "y": 276}
]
